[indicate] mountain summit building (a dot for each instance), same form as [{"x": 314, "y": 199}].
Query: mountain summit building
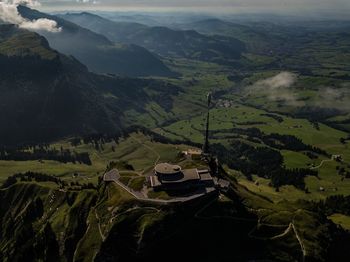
[{"x": 172, "y": 177}]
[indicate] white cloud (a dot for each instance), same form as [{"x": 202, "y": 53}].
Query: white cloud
[
  {"x": 280, "y": 81},
  {"x": 9, "y": 14},
  {"x": 278, "y": 88},
  {"x": 331, "y": 97},
  {"x": 92, "y": 2},
  {"x": 41, "y": 24}
]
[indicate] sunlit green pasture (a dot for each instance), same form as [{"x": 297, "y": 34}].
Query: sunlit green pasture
[{"x": 137, "y": 150}]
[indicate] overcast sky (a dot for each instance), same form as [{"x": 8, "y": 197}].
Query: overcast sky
[{"x": 291, "y": 6}]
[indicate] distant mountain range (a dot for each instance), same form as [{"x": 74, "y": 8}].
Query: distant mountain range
[
  {"x": 254, "y": 40},
  {"x": 47, "y": 95},
  {"x": 97, "y": 52},
  {"x": 164, "y": 41}
]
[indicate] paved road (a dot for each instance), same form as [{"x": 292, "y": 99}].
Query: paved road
[{"x": 111, "y": 176}]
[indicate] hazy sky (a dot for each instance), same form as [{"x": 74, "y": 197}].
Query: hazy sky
[{"x": 292, "y": 6}]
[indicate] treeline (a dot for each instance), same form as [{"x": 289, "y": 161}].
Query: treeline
[
  {"x": 120, "y": 165},
  {"x": 316, "y": 114},
  {"x": 165, "y": 140},
  {"x": 31, "y": 176},
  {"x": 278, "y": 118},
  {"x": 262, "y": 161},
  {"x": 290, "y": 143},
  {"x": 248, "y": 159},
  {"x": 43, "y": 152},
  {"x": 40, "y": 177},
  {"x": 278, "y": 141},
  {"x": 333, "y": 204},
  {"x": 343, "y": 172},
  {"x": 295, "y": 177},
  {"x": 100, "y": 139}
]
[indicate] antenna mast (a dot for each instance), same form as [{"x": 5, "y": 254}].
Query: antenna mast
[{"x": 206, "y": 141}]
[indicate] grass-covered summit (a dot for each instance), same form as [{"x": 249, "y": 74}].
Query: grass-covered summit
[{"x": 15, "y": 42}]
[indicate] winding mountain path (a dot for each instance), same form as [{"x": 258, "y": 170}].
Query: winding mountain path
[
  {"x": 321, "y": 164},
  {"x": 99, "y": 226},
  {"x": 290, "y": 227},
  {"x": 302, "y": 246}
]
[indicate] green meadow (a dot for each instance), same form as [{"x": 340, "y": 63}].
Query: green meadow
[
  {"x": 342, "y": 220},
  {"x": 136, "y": 150},
  {"x": 232, "y": 108}
]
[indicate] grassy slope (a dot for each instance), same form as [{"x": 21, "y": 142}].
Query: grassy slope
[
  {"x": 342, "y": 220},
  {"x": 232, "y": 218},
  {"x": 186, "y": 120},
  {"x": 326, "y": 138},
  {"x": 27, "y": 43},
  {"x": 134, "y": 150},
  {"x": 119, "y": 225}
]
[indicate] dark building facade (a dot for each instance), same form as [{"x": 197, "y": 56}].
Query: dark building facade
[{"x": 173, "y": 177}]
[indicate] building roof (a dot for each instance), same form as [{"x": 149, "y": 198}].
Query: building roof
[
  {"x": 183, "y": 176},
  {"x": 205, "y": 176},
  {"x": 191, "y": 174},
  {"x": 167, "y": 169},
  {"x": 168, "y": 174},
  {"x": 194, "y": 151},
  {"x": 223, "y": 183}
]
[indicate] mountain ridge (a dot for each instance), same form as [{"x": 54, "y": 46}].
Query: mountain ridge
[
  {"x": 58, "y": 97},
  {"x": 96, "y": 51},
  {"x": 165, "y": 41}
]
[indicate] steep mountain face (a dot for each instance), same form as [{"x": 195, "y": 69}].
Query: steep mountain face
[
  {"x": 24, "y": 53},
  {"x": 47, "y": 95},
  {"x": 164, "y": 41},
  {"x": 106, "y": 27},
  {"x": 97, "y": 52},
  {"x": 40, "y": 223},
  {"x": 29, "y": 227}
]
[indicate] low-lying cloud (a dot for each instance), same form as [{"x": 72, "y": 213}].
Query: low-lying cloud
[
  {"x": 331, "y": 97},
  {"x": 278, "y": 88},
  {"x": 9, "y": 14}
]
